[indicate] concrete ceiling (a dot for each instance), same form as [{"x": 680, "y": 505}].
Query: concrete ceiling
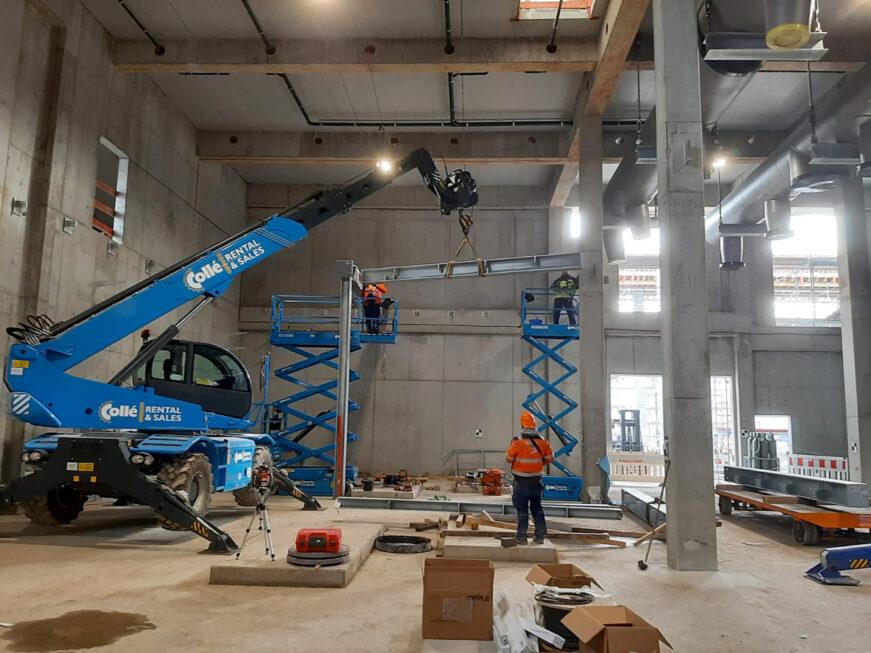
[{"x": 259, "y": 102}]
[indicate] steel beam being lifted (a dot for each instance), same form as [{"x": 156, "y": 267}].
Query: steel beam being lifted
[{"x": 515, "y": 265}]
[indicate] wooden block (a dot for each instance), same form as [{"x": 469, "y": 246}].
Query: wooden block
[
  {"x": 492, "y": 549},
  {"x": 461, "y": 519}
]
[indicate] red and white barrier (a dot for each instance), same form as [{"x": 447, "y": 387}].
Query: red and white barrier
[{"x": 832, "y": 467}]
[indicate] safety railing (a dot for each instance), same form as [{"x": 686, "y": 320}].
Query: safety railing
[
  {"x": 461, "y": 461},
  {"x": 546, "y": 312},
  {"x": 295, "y": 315}
]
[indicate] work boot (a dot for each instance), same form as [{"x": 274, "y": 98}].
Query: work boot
[
  {"x": 538, "y": 540},
  {"x": 522, "y": 540}
]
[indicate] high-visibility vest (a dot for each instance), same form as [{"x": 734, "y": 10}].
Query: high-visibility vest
[
  {"x": 525, "y": 457},
  {"x": 565, "y": 288}
]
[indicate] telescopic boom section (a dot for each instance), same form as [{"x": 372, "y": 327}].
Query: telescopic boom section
[{"x": 208, "y": 273}]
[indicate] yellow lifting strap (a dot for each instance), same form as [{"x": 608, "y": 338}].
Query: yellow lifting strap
[{"x": 466, "y": 226}]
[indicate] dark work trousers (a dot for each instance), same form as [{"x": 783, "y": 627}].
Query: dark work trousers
[
  {"x": 566, "y": 304},
  {"x": 372, "y": 315},
  {"x": 527, "y": 498}
]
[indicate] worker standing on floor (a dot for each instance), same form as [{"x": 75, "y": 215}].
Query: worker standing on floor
[
  {"x": 373, "y": 298},
  {"x": 527, "y": 456},
  {"x": 564, "y": 288}
]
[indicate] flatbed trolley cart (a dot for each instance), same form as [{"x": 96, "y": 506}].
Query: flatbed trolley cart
[{"x": 809, "y": 520}]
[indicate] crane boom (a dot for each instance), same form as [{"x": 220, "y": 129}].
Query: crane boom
[{"x": 44, "y": 394}]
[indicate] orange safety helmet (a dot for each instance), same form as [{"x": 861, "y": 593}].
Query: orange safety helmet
[{"x": 527, "y": 420}]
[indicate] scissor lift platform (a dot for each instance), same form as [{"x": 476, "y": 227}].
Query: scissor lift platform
[{"x": 810, "y": 519}]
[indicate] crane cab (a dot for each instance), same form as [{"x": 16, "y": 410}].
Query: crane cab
[{"x": 200, "y": 373}]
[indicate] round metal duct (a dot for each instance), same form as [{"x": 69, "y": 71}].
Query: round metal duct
[
  {"x": 787, "y": 24},
  {"x": 864, "y": 138},
  {"x": 807, "y": 178},
  {"x": 731, "y": 253},
  {"x": 777, "y": 216},
  {"x": 615, "y": 249}
]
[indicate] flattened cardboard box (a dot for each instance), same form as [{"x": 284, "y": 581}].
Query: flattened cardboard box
[
  {"x": 560, "y": 575},
  {"x": 457, "y": 599},
  {"x": 613, "y": 629}
]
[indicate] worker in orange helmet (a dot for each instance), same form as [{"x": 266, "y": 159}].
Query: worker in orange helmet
[
  {"x": 373, "y": 298},
  {"x": 527, "y": 456}
]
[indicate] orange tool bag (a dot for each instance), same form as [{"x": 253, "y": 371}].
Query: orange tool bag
[{"x": 491, "y": 482}]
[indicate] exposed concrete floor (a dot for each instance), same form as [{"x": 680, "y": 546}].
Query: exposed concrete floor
[{"x": 113, "y": 559}]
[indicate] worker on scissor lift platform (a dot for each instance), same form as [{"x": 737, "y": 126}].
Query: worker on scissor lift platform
[
  {"x": 564, "y": 288},
  {"x": 373, "y": 298},
  {"x": 527, "y": 456}
]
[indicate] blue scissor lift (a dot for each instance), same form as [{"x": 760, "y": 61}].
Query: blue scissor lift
[
  {"x": 308, "y": 326},
  {"x": 548, "y": 339}
]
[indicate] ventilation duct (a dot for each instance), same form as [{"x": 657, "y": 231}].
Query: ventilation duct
[
  {"x": 864, "y": 134},
  {"x": 731, "y": 253},
  {"x": 615, "y": 248},
  {"x": 807, "y": 178},
  {"x": 633, "y": 185},
  {"x": 777, "y": 217},
  {"x": 836, "y": 112},
  {"x": 787, "y": 24}
]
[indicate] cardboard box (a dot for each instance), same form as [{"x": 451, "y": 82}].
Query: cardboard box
[
  {"x": 613, "y": 629},
  {"x": 560, "y": 575},
  {"x": 457, "y": 599}
]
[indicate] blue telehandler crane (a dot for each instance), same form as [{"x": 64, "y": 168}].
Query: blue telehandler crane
[{"x": 169, "y": 428}]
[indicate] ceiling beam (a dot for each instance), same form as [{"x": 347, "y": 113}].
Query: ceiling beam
[
  {"x": 618, "y": 32},
  {"x": 535, "y": 147},
  {"x": 622, "y": 20},
  {"x": 350, "y": 56},
  {"x": 324, "y": 148},
  {"x": 264, "y": 199}
]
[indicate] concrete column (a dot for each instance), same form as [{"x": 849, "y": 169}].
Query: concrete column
[
  {"x": 744, "y": 390},
  {"x": 692, "y": 538},
  {"x": 592, "y": 307},
  {"x": 855, "y": 273}
]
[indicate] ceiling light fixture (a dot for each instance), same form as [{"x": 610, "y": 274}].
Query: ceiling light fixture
[{"x": 385, "y": 166}]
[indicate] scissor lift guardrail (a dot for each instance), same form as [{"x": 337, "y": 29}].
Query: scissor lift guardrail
[{"x": 308, "y": 326}]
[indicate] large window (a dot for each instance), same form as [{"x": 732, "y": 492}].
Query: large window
[
  {"x": 638, "y": 285},
  {"x": 546, "y": 9},
  {"x": 642, "y": 393},
  {"x": 806, "y": 287},
  {"x": 781, "y": 427},
  {"x": 723, "y": 423},
  {"x": 110, "y": 194}
]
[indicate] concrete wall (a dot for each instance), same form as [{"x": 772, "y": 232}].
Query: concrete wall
[
  {"x": 58, "y": 96},
  {"x": 457, "y": 364}
]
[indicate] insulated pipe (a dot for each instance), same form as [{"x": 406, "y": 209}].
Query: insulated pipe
[
  {"x": 850, "y": 98},
  {"x": 777, "y": 215},
  {"x": 633, "y": 184},
  {"x": 731, "y": 253}
]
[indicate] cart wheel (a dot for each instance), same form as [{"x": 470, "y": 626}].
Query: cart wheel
[
  {"x": 805, "y": 533},
  {"x": 725, "y": 504}
]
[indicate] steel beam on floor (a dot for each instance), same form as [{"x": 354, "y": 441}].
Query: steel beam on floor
[
  {"x": 552, "y": 509},
  {"x": 493, "y": 266},
  {"x": 842, "y": 493},
  {"x": 643, "y": 506}
]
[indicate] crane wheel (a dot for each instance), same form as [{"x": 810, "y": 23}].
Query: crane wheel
[
  {"x": 190, "y": 476},
  {"x": 60, "y": 506},
  {"x": 247, "y": 496}
]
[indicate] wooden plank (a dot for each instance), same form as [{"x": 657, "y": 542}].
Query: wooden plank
[
  {"x": 649, "y": 534},
  {"x": 619, "y": 28},
  {"x": 609, "y": 531},
  {"x": 102, "y": 207},
  {"x": 106, "y": 188},
  {"x": 553, "y": 535}
]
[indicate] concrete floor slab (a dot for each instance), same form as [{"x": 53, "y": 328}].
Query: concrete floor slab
[
  {"x": 388, "y": 493},
  {"x": 261, "y": 571},
  {"x": 758, "y": 602},
  {"x": 483, "y": 548}
]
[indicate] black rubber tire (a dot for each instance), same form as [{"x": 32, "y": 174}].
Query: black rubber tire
[
  {"x": 60, "y": 506},
  {"x": 725, "y": 505},
  {"x": 248, "y": 497},
  {"x": 191, "y": 475},
  {"x": 805, "y": 533}
]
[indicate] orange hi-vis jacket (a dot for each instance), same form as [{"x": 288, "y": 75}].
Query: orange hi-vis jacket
[{"x": 526, "y": 459}]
